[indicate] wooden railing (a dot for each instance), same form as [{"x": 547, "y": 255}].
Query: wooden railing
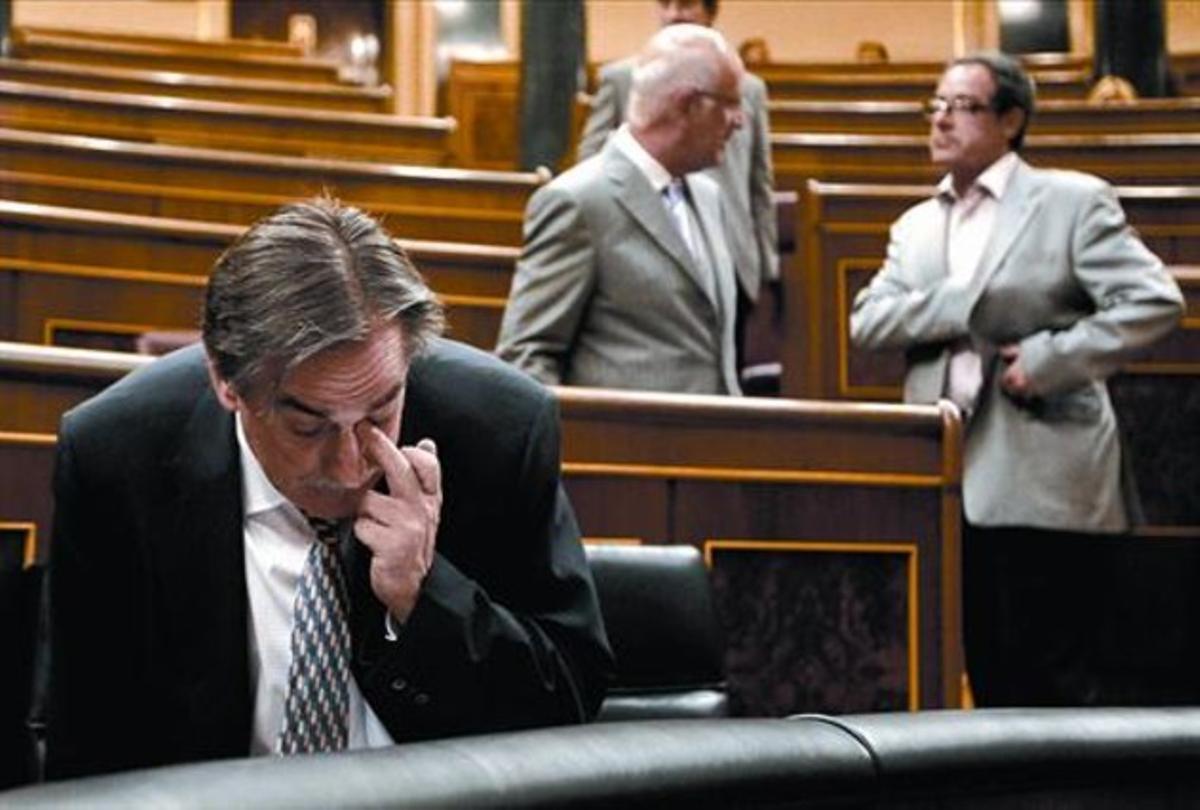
[
  {"x": 92, "y": 278},
  {"x": 275, "y": 92},
  {"x": 221, "y": 45},
  {"x": 278, "y": 130},
  {"x": 237, "y": 187},
  {"x": 1052, "y": 117},
  {"x": 1134, "y": 159},
  {"x": 32, "y": 43}
]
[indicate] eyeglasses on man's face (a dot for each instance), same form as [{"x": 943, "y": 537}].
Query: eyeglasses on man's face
[
  {"x": 958, "y": 104},
  {"x": 729, "y": 102}
]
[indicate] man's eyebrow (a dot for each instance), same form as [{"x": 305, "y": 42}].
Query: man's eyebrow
[{"x": 294, "y": 402}]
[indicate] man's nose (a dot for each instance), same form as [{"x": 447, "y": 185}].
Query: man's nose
[
  {"x": 737, "y": 117},
  {"x": 345, "y": 463}
]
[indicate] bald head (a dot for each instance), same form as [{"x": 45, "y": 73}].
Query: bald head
[{"x": 686, "y": 86}]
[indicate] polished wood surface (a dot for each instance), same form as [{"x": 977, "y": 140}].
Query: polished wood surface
[
  {"x": 222, "y": 45},
  {"x": 1052, "y": 117},
  {"x": 785, "y": 84},
  {"x": 32, "y": 43},
  {"x": 870, "y": 491},
  {"x": 276, "y": 92},
  {"x": 219, "y": 185},
  {"x": 263, "y": 128},
  {"x": 82, "y": 277},
  {"x": 1159, "y": 158}
]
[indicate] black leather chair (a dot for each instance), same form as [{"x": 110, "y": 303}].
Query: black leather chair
[
  {"x": 659, "y": 613},
  {"x": 20, "y": 592}
]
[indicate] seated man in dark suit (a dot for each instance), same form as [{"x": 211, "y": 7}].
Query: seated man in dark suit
[{"x": 327, "y": 528}]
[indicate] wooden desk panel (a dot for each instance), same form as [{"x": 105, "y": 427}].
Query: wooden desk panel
[
  {"x": 224, "y": 45},
  {"x": 1131, "y": 159},
  {"x": 1053, "y": 117},
  {"x": 74, "y": 277},
  {"x": 32, "y": 43},
  {"x": 275, "y": 92},
  {"x": 223, "y": 125},
  {"x": 237, "y": 187}
]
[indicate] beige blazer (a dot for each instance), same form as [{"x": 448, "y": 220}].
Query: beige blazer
[
  {"x": 745, "y": 175},
  {"x": 1067, "y": 278},
  {"x": 606, "y": 293}
]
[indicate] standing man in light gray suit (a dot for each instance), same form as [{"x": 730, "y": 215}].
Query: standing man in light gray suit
[
  {"x": 745, "y": 175},
  {"x": 1015, "y": 292},
  {"x": 625, "y": 279}
]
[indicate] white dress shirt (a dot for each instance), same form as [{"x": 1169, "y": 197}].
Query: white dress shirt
[
  {"x": 971, "y": 222},
  {"x": 277, "y": 539}
]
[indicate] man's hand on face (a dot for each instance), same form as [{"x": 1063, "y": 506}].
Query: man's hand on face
[{"x": 400, "y": 528}]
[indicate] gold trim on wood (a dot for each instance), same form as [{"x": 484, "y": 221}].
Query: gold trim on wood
[
  {"x": 742, "y": 474},
  {"x": 612, "y": 541},
  {"x": 52, "y": 326},
  {"x": 29, "y": 541},
  {"x": 477, "y": 301},
  {"x": 910, "y": 552},
  {"x": 842, "y": 326},
  {"x": 29, "y": 439}
]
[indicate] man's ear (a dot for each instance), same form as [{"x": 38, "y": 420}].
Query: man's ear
[
  {"x": 1011, "y": 121},
  {"x": 224, "y": 391}
]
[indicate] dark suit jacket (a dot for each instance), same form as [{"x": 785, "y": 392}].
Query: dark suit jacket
[{"x": 149, "y": 608}]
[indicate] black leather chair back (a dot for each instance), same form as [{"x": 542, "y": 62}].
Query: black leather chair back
[{"x": 658, "y": 610}]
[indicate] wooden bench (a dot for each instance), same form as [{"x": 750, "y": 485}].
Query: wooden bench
[
  {"x": 1036, "y": 64},
  {"x": 189, "y": 58},
  {"x": 839, "y": 84},
  {"x": 1052, "y": 117},
  {"x": 225, "y": 45},
  {"x": 1134, "y": 159},
  {"x": 275, "y": 92},
  {"x": 76, "y": 277},
  {"x": 237, "y": 187},
  {"x": 849, "y": 510},
  {"x": 278, "y": 130}
]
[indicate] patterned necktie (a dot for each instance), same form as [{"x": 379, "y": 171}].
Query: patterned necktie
[{"x": 315, "y": 714}]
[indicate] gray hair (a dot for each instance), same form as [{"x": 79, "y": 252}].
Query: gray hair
[
  {"x": 681, "y": 56},
  {"x": 1014, "y": 87},
  {"x": 309, "y": 277}
]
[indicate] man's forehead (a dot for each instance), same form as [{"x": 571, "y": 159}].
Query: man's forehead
[{"x": 968, "y": 79}]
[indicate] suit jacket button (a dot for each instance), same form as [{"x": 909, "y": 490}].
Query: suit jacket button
[
  {"x": 421, "y": 699},
  {"x": 399, "y": 685}
]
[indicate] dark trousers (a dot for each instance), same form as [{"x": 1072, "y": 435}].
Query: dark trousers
[{"x": 1033, "y": 602}]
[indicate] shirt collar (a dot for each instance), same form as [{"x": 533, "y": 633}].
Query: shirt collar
[
  {"x": 994, "y": 179},
  {"x": 653, "y": 171},
  {"x": 259, "y": 495}
]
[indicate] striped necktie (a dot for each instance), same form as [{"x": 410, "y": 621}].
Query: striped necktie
[{"x": 316, "y": 711}]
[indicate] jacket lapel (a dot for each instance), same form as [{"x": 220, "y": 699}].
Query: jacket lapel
[
  {"x": 1020, "y": 203},
  {"x": 645, "y": 207},
  {"x": 708, "y": 216},
  {"x": 202, "y": 583}
]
